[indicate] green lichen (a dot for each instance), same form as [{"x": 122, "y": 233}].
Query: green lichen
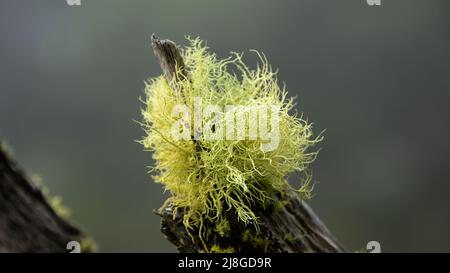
[
  {"x": 6, "y": 148},
  {"x": 88, "y": 245},
  {"x": 56, "y": 203},
  {"x": 256, "y": 240},
  {"x": 222, "y": 227},
  {"x": 219, "y": 249},
  {"x": 221, "y": 181}
]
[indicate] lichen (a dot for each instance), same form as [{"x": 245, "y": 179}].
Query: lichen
[
  {"x": 219, "y": 249},
  {"x": 289, "y": 237},
  {"x": 6, "y": 148},
  {"x": 54, "y": 201},
  {"x": 212, "y": 178},
  {"x": 87, "y": 243}
]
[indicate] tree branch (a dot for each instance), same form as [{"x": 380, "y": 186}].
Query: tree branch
[{"x": 27, "y": 222}]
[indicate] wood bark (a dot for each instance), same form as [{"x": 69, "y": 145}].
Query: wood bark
[
  {"x": 27, "y": 222},
  {"x": 292, "y": 227}
]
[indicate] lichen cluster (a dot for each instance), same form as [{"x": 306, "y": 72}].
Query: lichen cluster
[{"x": 218, "y": 179}]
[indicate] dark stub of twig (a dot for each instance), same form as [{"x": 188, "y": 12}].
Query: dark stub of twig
[{"x": 292, "y": 227}]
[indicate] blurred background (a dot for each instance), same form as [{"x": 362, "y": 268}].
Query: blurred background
[{"x": 376, "y": 78}]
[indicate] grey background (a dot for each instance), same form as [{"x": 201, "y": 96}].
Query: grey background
[{"x": 376, "y": 78}]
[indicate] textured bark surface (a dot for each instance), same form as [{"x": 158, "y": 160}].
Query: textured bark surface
[
  {"x": 27, "y": 222},
  {"x": 289, "y": 227}
]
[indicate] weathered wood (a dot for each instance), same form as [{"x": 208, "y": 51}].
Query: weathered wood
[
  {"x": 292, "y": 227},
  {"x": 27, "y": 221}
]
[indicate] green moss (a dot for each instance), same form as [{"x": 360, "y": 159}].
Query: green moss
[
  {"x": 222, "y": 227},
  {"x": 58, "y": 207},
  {"x": 289, "y": 237},
  {"x": 55, "y": 202},
  {"x": 220, "y": 181},
  {"x": 6, "y": 148},
  {"x": 280, "y": 204},
  {"x": 218, "y": 249}
]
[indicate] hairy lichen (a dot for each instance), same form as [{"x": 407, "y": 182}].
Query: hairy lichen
[{"x": 222, "y": 178}]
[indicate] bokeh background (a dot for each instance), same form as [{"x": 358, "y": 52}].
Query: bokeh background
[{"x": 376, "y": 78}]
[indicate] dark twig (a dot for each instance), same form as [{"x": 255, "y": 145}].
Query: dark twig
[{"x": 293, "y": 227}]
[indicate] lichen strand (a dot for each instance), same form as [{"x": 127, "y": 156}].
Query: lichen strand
[{"x": 220, "y": 182}]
